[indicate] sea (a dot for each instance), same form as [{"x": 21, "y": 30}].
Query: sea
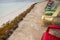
[{"x": 10, "y": 8}]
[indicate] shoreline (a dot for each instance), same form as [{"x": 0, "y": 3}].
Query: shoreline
[{"x": 13, "y": 24}]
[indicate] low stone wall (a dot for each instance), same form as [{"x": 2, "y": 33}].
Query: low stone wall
[{"x": 8, "y": 28}]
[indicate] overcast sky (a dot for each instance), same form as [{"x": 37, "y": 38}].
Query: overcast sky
[{"x": 1, "y": 1}]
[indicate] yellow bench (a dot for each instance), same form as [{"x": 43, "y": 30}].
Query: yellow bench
[{"x": 51, "y": 19}]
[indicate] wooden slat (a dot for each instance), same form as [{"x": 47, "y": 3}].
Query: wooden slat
[{"x": 56, "y": 12}]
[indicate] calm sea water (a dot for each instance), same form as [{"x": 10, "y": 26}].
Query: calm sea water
[
  {"x": 7, "y": 6},
  {"x": 9, "y": 9}
]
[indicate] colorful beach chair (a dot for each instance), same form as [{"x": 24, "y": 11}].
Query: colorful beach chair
[{"x": 48, "y": 36}]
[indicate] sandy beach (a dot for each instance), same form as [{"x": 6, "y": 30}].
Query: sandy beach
[{"x": 30, "y": 28}]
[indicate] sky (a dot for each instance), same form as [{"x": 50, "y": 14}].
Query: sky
[{"x": 4, "y": 1}]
